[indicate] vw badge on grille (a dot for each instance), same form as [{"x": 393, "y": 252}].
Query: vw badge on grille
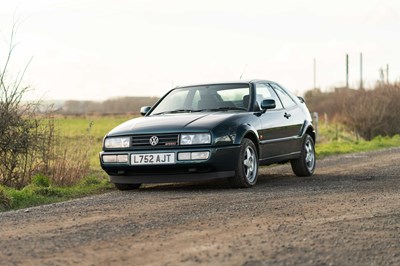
[{"x": 153, "y": 140}]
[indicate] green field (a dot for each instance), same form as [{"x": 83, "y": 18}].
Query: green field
[
  {"x": 332, "y": 138},
  {"x": 73, "y": 129}
]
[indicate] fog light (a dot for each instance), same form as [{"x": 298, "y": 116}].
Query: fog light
[
  {"x": 187, "y": 156},
  {"x": 109, "y": 158},
  {"x": 114, "y": 158},
  {"x": 202, "y": 155},
  {"x": 122, "y": 158},
  {"x": 183, "y": 156}
]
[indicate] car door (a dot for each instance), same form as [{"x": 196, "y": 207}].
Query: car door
[
  {"x": 273, "y": 123},
  {"x": 293, "y": 120}
]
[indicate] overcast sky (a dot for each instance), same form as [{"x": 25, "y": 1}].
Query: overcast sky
[{"x": 99, "y": 49}]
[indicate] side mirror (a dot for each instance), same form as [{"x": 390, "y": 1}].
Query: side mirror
[
  {"x": 301, "y": 99},
  {"x": 268, "y": 104},
  {"x": 144, "y": 110}
]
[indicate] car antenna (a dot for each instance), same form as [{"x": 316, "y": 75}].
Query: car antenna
[{"x": 244, "y": 69}]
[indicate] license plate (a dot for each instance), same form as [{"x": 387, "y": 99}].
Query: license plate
[{"x": 153, "y": 158}]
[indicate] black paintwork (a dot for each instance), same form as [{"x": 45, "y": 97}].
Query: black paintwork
[{"x": 276, "y": 133}]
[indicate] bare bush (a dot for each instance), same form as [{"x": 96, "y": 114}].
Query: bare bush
[
  {"x": 369, "y": 113},
  {"x": 329, "y": 103},
  {"x": 29, "y": 143},
  {"x": 374, "y": 112},
  {"x": 18, "y": 130}
]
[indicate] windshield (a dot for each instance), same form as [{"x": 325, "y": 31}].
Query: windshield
[{"x": 205, "y": 98}]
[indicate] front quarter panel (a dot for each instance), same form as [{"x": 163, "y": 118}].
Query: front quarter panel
[{"x": 233, "y": 130}]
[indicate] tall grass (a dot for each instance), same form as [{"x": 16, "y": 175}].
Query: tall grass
[{"x": 5, "y": 199}]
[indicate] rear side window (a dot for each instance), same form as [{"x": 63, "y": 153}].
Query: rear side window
[{"x": 287, "y": 101}]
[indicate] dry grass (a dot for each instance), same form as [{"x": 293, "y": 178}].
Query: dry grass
[
  {"x": 71, "y": 158},
  {"x": 5, "y": 200}
]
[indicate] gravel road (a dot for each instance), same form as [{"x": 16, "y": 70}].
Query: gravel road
[{"x": 348, "y": 213}]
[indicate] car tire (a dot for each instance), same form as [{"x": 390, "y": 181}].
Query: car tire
[
  {"x": 247, "y": 166},
  {"x": 305, "y": 164},
  {"x": 121, "y": 186}
]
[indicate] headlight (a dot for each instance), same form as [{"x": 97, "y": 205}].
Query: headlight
[
  {"x": 122, "y": 142},
  {"x": 193, "y": 139}
]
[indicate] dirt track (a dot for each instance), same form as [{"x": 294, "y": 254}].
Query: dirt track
[{"x": 347, "y": 214}]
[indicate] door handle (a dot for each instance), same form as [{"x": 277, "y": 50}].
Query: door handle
[{"x": 286, "y": 115}]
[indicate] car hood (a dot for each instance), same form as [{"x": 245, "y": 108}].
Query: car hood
[{"x": 171, "y": 123}]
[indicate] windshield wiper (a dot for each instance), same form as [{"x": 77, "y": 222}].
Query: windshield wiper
[
  {"x": 226, "y": 108},
  {"x": 182, "y": 111},
  {"x": 178, "y": 111}
]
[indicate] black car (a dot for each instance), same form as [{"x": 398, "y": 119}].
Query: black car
[{"x": 209, "y": 131}]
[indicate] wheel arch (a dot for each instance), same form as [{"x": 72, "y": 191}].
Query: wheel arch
[
  {"x": 251, "y": 136},
  {"x": 247, "y": 131},
  {"x": 308, "y": 129}
]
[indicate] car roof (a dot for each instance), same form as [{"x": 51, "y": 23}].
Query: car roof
[{"x": 241, "y": 81}]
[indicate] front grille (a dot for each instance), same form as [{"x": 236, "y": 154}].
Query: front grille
[{"x": 163, "y": 140}]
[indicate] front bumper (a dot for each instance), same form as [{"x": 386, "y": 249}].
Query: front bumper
[{"x": 220, "y": 164}]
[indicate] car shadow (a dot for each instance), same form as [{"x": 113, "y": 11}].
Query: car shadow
[
  {"x": 265, "y": 180},
  {"x": 280, "y": 177}
]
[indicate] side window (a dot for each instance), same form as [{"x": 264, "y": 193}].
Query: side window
[
  {"x": 263, "y": 92},
  {"x": 285, "y": 98}
]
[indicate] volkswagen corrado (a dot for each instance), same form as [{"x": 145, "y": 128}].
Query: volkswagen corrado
[{"x": 210, "y": 131}]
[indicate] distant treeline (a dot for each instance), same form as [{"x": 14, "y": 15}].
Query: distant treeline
[{"x": 123, "y": 105}]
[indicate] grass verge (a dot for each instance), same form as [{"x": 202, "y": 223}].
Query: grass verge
[
  {"x": 336, "y": 139},
  {"x": 346, "y": 146},
  {"x": 41, "y": 192}
]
